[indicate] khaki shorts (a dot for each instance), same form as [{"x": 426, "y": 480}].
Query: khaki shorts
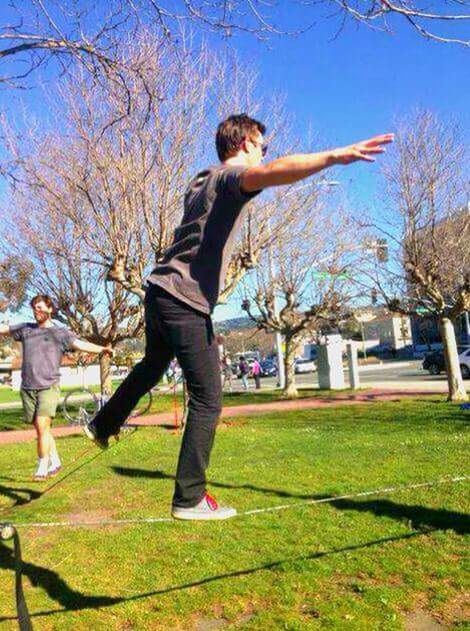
[{"x": 40, "y": 402}]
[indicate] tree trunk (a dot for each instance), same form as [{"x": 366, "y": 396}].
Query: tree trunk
[
  {"x": 105, "y": 375},
  {"x": 290, "y": 389},
  {"x": 454, "y": 376}
]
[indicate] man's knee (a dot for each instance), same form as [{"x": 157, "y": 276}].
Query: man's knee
[
  {"x": 42, "y": 424},
  {"x": 152, "y": 366},
  {"x": 207, "y": 406}
]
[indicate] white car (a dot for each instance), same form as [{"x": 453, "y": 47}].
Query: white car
[
  {"x": 304, "y": 365},
  {"x": 464, "y": 361}
]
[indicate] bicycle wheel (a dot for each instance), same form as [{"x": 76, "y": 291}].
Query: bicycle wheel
[
  {"x": 143, "y": 406},
  {"x": 79, "y": 406}
]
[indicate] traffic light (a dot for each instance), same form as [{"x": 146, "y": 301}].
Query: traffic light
[
  {"x": 373, "y": 296},
  {"x": 382, "y": 250}
]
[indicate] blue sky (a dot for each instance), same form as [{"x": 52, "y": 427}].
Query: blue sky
[
  {"x": 349, "y": 88},
  {"x": 355, "y": 86}
]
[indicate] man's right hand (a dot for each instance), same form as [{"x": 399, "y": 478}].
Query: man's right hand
[
  {"x": 108, "y": 350},
  {"x": 4, "y": 329},
  {"x": 363, "y": 150}
]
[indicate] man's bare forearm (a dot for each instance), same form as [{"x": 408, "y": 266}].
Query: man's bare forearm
[
  {"x": 89, "y": 347},
  {"x": 292, "y": 168}
]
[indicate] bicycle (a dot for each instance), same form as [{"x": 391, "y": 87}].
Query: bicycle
[{"x": 81, "y": 404}]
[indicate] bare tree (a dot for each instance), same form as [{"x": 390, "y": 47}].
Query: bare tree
[
  {"x": 97, "y": 198},
  {"x": 304, "y": 284},
  {"x": 427, "y": 227},
  {"x": 90, "y": 33},
  {"x": 14, "y": 278}
]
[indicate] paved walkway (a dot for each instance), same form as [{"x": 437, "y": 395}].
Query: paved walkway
[{"x": 166, "y": 419}]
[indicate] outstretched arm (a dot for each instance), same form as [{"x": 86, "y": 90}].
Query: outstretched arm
[
  {"x": 88, "y": 347},
  {"x": 293, "y": 168}
]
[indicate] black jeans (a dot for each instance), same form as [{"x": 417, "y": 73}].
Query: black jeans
[{"x": 173, "y": 328}]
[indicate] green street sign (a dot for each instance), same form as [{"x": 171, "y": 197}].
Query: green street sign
[{"x": 326, "y": 275}]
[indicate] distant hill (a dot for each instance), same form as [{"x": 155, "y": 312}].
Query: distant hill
[{"x": 233, "y": 324}]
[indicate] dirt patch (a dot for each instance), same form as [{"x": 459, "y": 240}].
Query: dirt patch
[
  {"x": 227, "y": 424},
  {"x": 457, "y": 609},
  {"x": 92, "y": 516},
  {"x": 209, "y": 624},
  {"x": 421, "y": 620},
  {"x": 212, "y": 624}
]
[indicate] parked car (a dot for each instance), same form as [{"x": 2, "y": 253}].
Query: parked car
[
  {"x": 269, "y": 368},
  {"x": 464, "y": 360},
  {"x": 304, "y": 365},
  {"x": 434, "y": 362},
  {"x": 379, "y": 349}
]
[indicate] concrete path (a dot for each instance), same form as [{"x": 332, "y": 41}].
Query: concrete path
[{"x": 166, "y": 419}]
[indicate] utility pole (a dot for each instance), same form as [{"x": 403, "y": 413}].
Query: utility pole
[
  {"x": 467, "y": 325},
  {"x": 281, "y": 374}
]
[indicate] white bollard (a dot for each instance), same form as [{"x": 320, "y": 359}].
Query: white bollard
[{"x": 330, "y": 363}]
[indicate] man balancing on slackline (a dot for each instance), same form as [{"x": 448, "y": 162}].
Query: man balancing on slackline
[{"x": 183, "y": 290}]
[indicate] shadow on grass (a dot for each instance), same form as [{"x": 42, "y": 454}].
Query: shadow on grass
[
  {"x": 13, "y": 419},
  {"x": 19, "y": 495},
  {"x": 416, "y": 516},
  {"x": 52, "y": 584},
  {"x": 15, "y": 493},
  {"x": 73, "y": 601}
]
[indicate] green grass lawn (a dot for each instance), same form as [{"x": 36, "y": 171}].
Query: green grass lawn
[
  {"x": 365, "y": 563},
  {"x": 12, "y": 418}
]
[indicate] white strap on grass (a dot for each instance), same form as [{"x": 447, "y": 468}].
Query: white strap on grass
[{"x": 255, "y": 511}]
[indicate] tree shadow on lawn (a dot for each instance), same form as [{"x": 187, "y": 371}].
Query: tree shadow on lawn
[
  {"x": 53, "y": 584},
  {"x": 12, "y": 419},
  {"x": 72, "y": 600},
  {"x": 20, "y": 495},
  {"x": 416, "y": 516},
  {"x": 15, "y": 493}
]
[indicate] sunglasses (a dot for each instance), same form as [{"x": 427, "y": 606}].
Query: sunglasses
[{"x": 264, "y": 146}]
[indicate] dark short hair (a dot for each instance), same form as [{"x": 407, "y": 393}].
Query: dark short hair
[
  {"x": 47, "y": 300},
  {"x": 233, "y": 131}
]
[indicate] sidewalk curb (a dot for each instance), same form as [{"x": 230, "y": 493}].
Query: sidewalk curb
[{"x": 385, "y": 366}]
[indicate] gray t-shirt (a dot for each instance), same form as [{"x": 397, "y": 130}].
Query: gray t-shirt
[
  {"x": 193, "y": 268},
  {"x": 42, "y": 353}
]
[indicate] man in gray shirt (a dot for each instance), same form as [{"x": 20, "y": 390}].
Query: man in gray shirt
[
  {"x": 44, "y": 344},
  {"x": 184, "y": 288}
]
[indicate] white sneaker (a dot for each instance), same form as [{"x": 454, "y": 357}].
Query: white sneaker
[
  {"x": 54, "y": 469},
  {"x": 41, "y": 471},
  {"x": 207, "y": 509}
]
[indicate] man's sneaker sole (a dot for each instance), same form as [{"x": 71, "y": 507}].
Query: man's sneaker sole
[
  {"x": 188, "y": 514},
  {"x": 102, "y": 443},
  {"x": 53, "y": 472},
  {"x": 40, "y": 478}
]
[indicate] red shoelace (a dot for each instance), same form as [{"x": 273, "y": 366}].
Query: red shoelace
[{"x": 212, "y": 502}]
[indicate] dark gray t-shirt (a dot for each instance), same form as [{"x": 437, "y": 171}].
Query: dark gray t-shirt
[
  {"x": 42, "y": 353},
  {"x": 193, "y": 268}
]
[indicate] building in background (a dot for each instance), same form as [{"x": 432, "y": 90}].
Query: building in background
[
  {"x": 426, "y": 335},
  {"x": 71, "y": 374},
  {"x": 392, "y": 329}
]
